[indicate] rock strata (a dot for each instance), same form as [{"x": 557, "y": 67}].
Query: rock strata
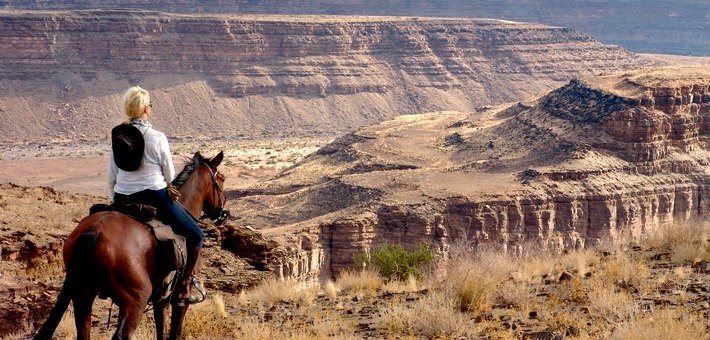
[
  {"x": 272, "y": 75},
  {"x": 651, "y": 26},
  {"x": 597, "y": 160}
]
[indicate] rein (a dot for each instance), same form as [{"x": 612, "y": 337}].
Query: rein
[{"x": 219, "y": 215}]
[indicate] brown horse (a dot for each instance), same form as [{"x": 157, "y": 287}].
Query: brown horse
[{"x": 114, "y": 255}]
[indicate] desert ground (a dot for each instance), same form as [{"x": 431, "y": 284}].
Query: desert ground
[{"x": 81, "y": 167}]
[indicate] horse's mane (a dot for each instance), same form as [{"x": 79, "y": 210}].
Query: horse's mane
[{"x": 182, "y": 177}]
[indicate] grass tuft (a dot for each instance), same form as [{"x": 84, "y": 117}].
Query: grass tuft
[
  {"x": 331, "y": 290},
  {"x": 364, "y": 281},
  {"x": 662, "y": 324}
]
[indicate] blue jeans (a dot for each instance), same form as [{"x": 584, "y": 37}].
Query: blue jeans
[{"x": 169, "y": 211}]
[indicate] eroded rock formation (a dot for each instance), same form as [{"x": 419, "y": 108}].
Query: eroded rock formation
[
  {"x": 593, "y": 161},
  {"x": 651, "y": 26},
  {"x": 225, "y": 75}
]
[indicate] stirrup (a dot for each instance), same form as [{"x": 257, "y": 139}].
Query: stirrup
[{"x": 193, "y": 299}]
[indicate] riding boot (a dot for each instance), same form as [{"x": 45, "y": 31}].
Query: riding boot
[{"x": 189, "y": 279}]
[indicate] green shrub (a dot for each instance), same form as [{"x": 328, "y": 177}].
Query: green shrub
[{"x": 394, "y": 262}]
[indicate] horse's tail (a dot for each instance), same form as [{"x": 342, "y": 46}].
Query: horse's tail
[{"x": 85, "y": 243}]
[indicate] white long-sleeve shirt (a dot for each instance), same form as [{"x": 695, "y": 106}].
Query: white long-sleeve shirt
[{"x": 156, "y": 169}]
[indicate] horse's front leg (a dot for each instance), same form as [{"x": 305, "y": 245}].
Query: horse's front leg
[{"x": 160, "y": 313}]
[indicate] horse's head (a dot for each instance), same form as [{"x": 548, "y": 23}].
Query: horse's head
[
  {"x": 214, "y": 204},
  {"x": 202, "y": 187}
]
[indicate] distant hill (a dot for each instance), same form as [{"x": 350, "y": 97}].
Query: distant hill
[
  {"x": 647, "y": 26},
  {"x": 230, "y": 76}
]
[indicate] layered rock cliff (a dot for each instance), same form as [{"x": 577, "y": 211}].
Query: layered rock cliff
[
  {"x": 225, "y": 75},
  {"x": 651, "y": 26},
  {"x": 593, "y": 161}
]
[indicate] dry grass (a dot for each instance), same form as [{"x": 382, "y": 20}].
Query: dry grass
[
  {"x": 272, "y": 291},
  {"x": 410, "y": 285},
  {"x": 360, "y": 282},
  {"x": 663, "y": 324},
  {"x": 66, "y": 328},
  {"x": 686, "y": 253},
  {"x": 209, "y": 319},
  {"x": 685, "y": 241},
  {"x": 514, "y": 295},
  {"x": 435, "y": 315},
  {"x": 331, "y": 289},
  {"x": 620, "y": 268},
  {"x": 616, "y": 305},
  {"x": 620, "y": 293}
]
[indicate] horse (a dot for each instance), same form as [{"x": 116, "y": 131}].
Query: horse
[{"x": 110, "y": 254}]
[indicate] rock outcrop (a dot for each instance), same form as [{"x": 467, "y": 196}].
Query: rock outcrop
[
  {"x": 596, "y": 160},
  {"x": 227, "y": 75},
  {"x": 650, "y": 26}
]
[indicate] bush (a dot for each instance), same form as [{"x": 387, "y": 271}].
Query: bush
[{"x": 394, "y": 262}]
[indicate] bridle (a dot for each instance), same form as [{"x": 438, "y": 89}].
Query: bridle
[{"x": 218, "y": 215}]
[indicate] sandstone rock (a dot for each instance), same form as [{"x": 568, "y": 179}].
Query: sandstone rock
[
  {"x": 219, "y": 75},
  {"x": 669, "y": 27},
  {"x": 632, "y": 180},
  {"x": 248, "y": 244}
]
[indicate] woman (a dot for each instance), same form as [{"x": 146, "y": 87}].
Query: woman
[{"x": 146, "y": 181}]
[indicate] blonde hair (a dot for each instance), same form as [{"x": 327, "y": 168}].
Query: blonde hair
[{"x": 135, "y": 101}]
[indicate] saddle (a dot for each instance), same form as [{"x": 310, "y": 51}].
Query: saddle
[
  {"x": 139, "y": 212},
  {"x": 170, "y": 247}
]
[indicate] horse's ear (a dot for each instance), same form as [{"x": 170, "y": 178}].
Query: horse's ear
[
  {"x": 197, "y": 155},
  {"x": 216, "y": 160}
]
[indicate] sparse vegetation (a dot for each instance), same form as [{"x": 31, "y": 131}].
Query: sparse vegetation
[
  {"x": 395, "y": 262},
  {"x": 633, "y": 291},
  {"x": 256, "y": 154},
  {"x": 663, "y": 324},
  {"x": 648, "y": 287},
  {"x": 360, "y": 282}
]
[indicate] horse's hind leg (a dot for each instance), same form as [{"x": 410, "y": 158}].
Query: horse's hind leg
[
  {"x": 128, "y": 320},
  {"x": 132, "y": 306},
  {"x": 83, "y": 301}
]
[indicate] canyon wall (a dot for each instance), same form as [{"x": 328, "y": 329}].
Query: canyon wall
[
  {"x": 669, "y": 27},
  {"x": 516, "y": 224},
  {"x": 226, "y": 75},
  {"x": 596, "y": 161}
]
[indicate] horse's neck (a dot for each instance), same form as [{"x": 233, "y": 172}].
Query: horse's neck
[{"x": 191, "y": 199}]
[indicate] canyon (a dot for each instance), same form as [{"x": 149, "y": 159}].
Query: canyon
[
  {"x": 267, "y": 76},
  {"x": 595, "y": 161},
  {"x": 600, "y": 159},
  {"x": 655, "y": 26},
  {"x": 446, "y": 131}
]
